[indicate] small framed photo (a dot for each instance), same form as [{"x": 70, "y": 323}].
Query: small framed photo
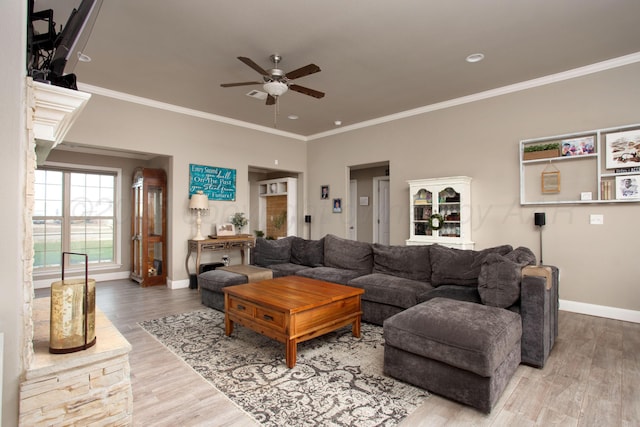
[
  {"x": 578, "y": 146},
  {"x": 225, "y": 229},
  {"x": 324, "y": 192},
  {"x": 550, "y": 182},
  {"x": 337, "y": 205},
  {"x": 622, "y": 149},
  {"x": 627, "y": 187}
]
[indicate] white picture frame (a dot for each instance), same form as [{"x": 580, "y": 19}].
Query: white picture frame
[
  {"x": 622, "y": 149},
  {"x": 225, "y": 229},
  {"x": 628, "y": 187}
]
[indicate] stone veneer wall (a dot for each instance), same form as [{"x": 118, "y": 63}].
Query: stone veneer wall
[
  {"x": 91, "y": 387},
  {"x": 88, "y": 387}
]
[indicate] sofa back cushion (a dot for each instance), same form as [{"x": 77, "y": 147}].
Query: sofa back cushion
[
  {"x": 269, "y": 252},
  {"x": 450, "y": 266},
  {"x": 307, "y": 252},
  {"x": 408, "y": 262},
  {"x": 500, "y": 277},
  {"x": 347, "y": 254}
]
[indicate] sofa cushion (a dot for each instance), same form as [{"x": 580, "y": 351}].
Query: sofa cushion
[
  {"x": 215, "y": 280},
  {"x": 307, "y": 252},
  {"x": 469, "y": 336},
  {"x": 348, "y": 254},
  {"x": 409, "y": 262},
  {"x": 341, "y": 276},
  {"x": 269, "y": 252},
  {"x": 391, "y": 290},
  {"x": 500, "y": 276},
  {"x": 450, "y": 266},
  {"x": 286, "y": 269},
  {"x": 456, "y": 292},
  {"x": 522, "y": 255}
]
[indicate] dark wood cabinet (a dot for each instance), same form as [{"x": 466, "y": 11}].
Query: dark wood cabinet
[{"x": 149, "y": 227}]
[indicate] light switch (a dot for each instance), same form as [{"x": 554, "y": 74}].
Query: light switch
[{"x": 596, "y": 219}]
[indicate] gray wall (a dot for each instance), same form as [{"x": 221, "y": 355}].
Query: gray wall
[
  {"x": 598, "y": 264},
  {"x": 182, "y": 139}
]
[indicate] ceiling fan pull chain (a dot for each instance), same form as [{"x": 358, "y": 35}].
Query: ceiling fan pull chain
[{"x": 275, "y": 113}]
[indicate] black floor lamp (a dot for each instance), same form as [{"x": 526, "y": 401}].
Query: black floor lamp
[{"x": 539, "y": 219}]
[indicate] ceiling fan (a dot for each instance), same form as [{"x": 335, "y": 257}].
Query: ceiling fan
[{"x": 276, "y": 82}]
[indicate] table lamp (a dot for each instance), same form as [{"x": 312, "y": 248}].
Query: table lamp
[{"x": 199, "y": 203}]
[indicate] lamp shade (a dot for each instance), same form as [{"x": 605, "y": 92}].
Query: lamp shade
[
  {"x": 199, "y": 201},
  {"x": 275, "y": 88}
]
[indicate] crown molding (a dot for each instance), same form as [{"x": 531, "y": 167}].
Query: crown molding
[
  {"x": 96, "y": 90},
  {"x": 492, "y": 93}
]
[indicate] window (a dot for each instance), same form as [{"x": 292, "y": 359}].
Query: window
[{"x": 74, "y": 211}]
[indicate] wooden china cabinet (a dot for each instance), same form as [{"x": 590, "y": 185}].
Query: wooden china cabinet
[{"x": 149, "y": 227}]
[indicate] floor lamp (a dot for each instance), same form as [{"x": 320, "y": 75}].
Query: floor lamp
[
  {"x": 539, "y": 219},
  {"x": 199, "y": 203}
]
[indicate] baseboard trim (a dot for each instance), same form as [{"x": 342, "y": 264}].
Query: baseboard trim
[
  {"x": 118, "y": 275},
  {"x": 177, "y": 284},
  {"x": 600, "y": 311}
]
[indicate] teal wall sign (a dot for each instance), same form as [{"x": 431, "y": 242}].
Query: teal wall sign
[{"x": 216, "y": 183}]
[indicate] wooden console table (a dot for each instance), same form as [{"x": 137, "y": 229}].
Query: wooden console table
[{"x": 216, "y": 244}]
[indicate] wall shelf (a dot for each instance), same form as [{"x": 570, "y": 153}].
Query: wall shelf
[{"x": 583, "y": 174}]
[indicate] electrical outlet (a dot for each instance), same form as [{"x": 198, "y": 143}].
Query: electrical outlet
[{"x": 596, "y": 219}]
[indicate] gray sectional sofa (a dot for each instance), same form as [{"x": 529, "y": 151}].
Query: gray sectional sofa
[
  {"x": 484, "y": 285},
  {"x": 398, "y": 277}
]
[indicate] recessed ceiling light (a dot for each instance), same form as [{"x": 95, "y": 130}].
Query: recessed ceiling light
[
  {"x": 475, "y": 57},
  {"x": 337, "y": 123},
  {"x": 292, "y": 117}
]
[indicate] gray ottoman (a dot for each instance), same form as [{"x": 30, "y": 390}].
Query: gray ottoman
[
  {"x": 464, "y": 351},
  {"x": 211, "y": 284}
]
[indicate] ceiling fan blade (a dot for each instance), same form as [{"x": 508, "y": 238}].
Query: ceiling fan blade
[
  {"x": 271, "y": 100},
  {"x": 307, "y": 91},
  {"x": 240, "y": 84},
  {"x": 304, "y": 71},
  {"x": 253, "y": 65}
]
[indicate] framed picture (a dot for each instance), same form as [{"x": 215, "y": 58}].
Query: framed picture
[
  {"x": 578, "y": 146},
  {"x": 217, "y": 183},
  {"x": 225, "y": 229},
  {"x": 622, "y": 149},
  {"x": 324, "y": 192},
  {"x": 627, "y": 187},
  {"x": 550, "y": 182},
  {"x": 337, "y": 205}
]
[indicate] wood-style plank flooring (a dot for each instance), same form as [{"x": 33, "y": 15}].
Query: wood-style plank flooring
[{"x": 592, "y": 377}]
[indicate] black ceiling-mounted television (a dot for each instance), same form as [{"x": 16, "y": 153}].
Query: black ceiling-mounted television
[{"x": 57, "y": 65}]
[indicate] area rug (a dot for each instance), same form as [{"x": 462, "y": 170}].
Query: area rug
[{"x": 337, "y": 380}]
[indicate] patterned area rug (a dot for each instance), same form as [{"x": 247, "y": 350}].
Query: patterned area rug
[{"x": 337, "y": 381}]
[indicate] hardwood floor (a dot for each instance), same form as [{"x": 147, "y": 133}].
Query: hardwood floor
[{"x": 591, "y": 377}]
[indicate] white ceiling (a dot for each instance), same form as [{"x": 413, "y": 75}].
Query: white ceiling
[{"x": 377, "y": 57}]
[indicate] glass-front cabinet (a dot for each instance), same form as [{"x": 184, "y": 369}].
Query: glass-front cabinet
[
  {"x": 440, "y": 212},
  {"x": 149, "y": 227}
]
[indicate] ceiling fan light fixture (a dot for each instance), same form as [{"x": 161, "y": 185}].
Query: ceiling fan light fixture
[{"x": 275, "y": 88}]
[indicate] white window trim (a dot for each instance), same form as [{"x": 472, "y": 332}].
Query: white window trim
[{"x": 118, "y": 217}]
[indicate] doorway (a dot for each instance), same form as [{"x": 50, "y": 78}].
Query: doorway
[
  {"x": 381, "y": 210},
  {"x": 369, "y": 199}
]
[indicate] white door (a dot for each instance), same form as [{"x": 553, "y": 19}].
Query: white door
[
  {"x": 381, "y": 209},
  {"x": 353, "y": 210}
]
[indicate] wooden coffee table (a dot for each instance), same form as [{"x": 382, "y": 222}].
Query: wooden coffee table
[{"x": 292, "y": 309}]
